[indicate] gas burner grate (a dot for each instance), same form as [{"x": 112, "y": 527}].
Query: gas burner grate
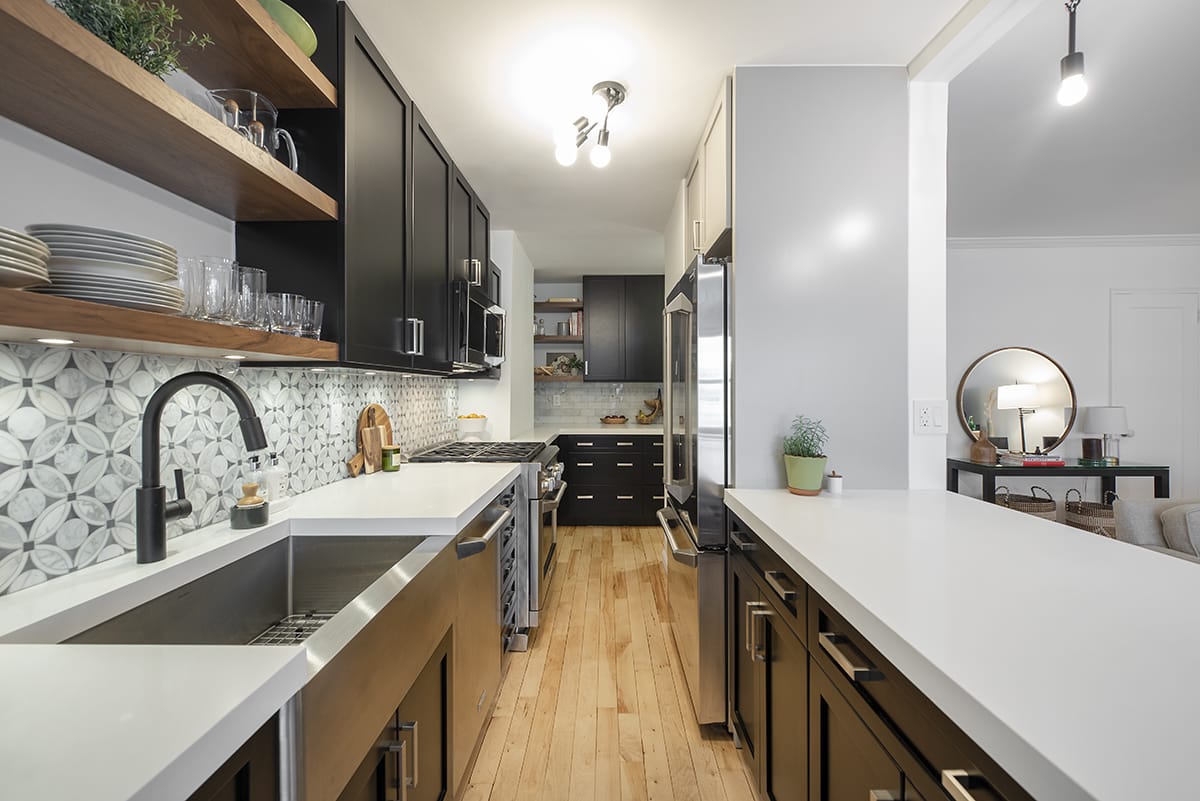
[
  {"x": 293, "y": 629},
  {"x": 482, "y": 452}
]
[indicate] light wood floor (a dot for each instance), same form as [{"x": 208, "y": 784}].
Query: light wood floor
[{"x": 597, "y": 708}]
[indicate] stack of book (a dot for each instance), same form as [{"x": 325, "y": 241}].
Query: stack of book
[
  {"x": 1031, "y": 460},
  {"x": 575, "y": 321}
]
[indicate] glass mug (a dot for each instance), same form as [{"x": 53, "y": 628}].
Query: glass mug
[{"x": 253, "y": 116}]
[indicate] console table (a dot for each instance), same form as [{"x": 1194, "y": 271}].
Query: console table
[{"x": 1108, "y": 475}]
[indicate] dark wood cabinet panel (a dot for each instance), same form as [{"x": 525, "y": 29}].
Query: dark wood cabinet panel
[
  {"x": 743, "y": 672},
  {"x": 430, "y": 267},
  {"x": 604, "y": 328},
  {"x": 643, "y": 328},
  {"x": 608, "y": 480},
  {"x": 378, "y": 122},
  {"x": 251, "y": 774},
  {"x": 846, "y": 762},
  {"x": 462, "y": 211},
  {"x": 481, "y": 241},
  {"x": 785, "y": 704}
]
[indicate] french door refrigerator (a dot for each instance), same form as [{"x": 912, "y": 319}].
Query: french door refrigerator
[{"x": 696, "y": 404}]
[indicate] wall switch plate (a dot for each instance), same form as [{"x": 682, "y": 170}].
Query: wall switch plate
[
  {"x": 556, "y": 399},
  {"x": 929, "y": 417}
]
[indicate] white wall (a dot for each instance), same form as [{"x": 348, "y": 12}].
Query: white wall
[
  {"x": 821, "y": 268},
  {"x": 46, "y": 181},
  {"x": 673, "y": 241},
  {"x": 1053, "y": 296},
  {"x": 508, "y": 402}
]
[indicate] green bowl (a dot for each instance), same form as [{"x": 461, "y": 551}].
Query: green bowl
[{"x": 294, "y": 25}]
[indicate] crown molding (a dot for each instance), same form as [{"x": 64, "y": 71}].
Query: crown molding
[{"x": 1117, "y": 241}]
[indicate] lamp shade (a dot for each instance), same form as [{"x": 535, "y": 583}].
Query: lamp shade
[
  {"x": 1105, "y": 420},
  {"x": 1017, "y": 396}
]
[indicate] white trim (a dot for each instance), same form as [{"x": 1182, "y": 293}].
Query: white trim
[
  {"x": 1114, "y": 241},
  {"x": 967, "y": 36}
]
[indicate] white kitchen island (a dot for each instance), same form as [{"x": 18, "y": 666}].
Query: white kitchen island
[{"x": 1069, "y": 658}]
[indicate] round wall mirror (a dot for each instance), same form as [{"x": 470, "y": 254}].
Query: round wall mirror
[{"x": 1015, "y": 394}]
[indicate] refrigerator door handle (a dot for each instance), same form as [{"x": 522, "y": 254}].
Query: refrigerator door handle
[
  {"x": 681, "y": 306},
  {"x": 685, "y": 556}
]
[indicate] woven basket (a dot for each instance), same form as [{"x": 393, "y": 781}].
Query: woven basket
[
  {"x": 1044, "y": 508},
  {"x": 1098, "y": 518}
]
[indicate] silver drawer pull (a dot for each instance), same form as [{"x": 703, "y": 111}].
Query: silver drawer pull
[
  {"x": 741, "y": 542},
  {"x": 415, "y": 780},
  {"x": 750, "y": 607},
  {"x": 774, "y": 579},
  {"x": 830, "y": 644},
  {"x": 584, "y": 444},
  {"x": 658, "y": 464},
  {"x": 882, "y": 795},
  {"x": 583, "y": 497},
  {"x": 624, "y": 464},
  {"x": 624, "y": 444},
  {"x": 624, "y": 497},
  {"x": 758, "y": 651},
  {"x": 658, "y": 497},
  {"x": 585, "y": 464},
  {"x": 958, "y": 784}
]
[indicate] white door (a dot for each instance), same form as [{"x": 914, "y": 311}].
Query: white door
[{"x": 1156, "y": 377}]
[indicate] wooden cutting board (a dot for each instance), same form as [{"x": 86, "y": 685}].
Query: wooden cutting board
[
  {"x": 374, "y": 431},
  {"x": 374, "y": 415}
]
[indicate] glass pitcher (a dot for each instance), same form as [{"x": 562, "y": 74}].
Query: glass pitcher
[{"x": 253, "y": 116}]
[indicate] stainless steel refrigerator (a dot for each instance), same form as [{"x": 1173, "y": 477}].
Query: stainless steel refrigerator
[{"x": 696, "y": 404}]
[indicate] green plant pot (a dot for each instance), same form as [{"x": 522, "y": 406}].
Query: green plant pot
[{"x": 804, "y": 474}]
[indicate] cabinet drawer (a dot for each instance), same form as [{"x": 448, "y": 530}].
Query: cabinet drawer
[
  {"x": 778, "y": 581},
  {"x": 623, "y": 469},
  {"x": 653, "y": 473},
  {"x": 656, "y": 498},
  {"x": 602, "y": 505},
  {"x": 574, "y": 443},
  {"x": 929, "y": 738}
]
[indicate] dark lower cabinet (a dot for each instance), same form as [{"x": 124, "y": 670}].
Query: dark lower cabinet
[
  {"x": 846, "y": 762},
  {"x": 251, "y": 774},
  {"x": 611, "y": 480},
  {"x": 768, "y": 687},
  {"x": 410, "y": 758}
]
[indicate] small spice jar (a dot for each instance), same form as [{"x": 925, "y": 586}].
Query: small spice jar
[{"x": 391, "y": 458}]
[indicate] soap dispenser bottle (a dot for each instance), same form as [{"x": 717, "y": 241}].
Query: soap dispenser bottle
[{"x": 276, "y": 480}]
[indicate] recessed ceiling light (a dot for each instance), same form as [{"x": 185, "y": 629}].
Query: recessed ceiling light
[
  {"x": 370, "y": 372},
  {"x": 316, "y": 369},
  {"x": 54, "y": 341},
  {"x": 234, "y": 357}
]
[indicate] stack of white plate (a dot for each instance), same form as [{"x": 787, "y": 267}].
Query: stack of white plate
[
  {"x": 113, "y": 267},
  {"x": 22, "y": 260}
]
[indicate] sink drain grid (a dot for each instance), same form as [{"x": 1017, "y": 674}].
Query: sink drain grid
[{"x": 293, "y": 629}]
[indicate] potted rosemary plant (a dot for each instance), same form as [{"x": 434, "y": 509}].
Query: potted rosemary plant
[{"x": 804, "y": 455}]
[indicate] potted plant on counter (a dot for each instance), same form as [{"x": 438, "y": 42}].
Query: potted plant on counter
[{"x": 804, "y": 456}]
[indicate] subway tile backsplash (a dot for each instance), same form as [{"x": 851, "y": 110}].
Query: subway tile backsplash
[
  {"x": 588, "y": 401},
  {"x": 70, "y": 439}
]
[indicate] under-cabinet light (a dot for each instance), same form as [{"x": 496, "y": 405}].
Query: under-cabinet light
[{"x": 53, "y": 341}]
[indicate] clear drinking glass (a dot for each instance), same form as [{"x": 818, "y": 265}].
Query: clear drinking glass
[
  {"x": 191, "y": 283},
  {"x": 286, "y": 312},
  {"x": 252, "y": 298},
  {"x": 310, "y": 319},
  {"x": 220, "y": 289}
]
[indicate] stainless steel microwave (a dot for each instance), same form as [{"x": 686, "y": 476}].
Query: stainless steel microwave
[{"x": 478, "y": 330}]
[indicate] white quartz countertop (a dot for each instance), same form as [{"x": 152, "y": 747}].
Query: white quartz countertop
[
  {"x": 110, "y": 723},
  {"x": 1070, "y": 658},
  {"x": 143, "y": 723},
  {"x": 547, "y": 432}
]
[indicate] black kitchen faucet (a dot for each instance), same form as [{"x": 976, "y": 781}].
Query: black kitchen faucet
[{"x": 153, "y": 508}]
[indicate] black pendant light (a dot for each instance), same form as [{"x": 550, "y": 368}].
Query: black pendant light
[{"x": 1074, "y": 86}]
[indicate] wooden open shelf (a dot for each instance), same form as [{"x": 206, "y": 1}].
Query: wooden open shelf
[
  {"x": 250, "y": 51},
  {"x": 557, "y": 308},
  {"x": 61, "y": 80},
  {"x": 27, "y": 316},
  {"x": 555, "y": 340},
  {"x": 539, "y": 378}
]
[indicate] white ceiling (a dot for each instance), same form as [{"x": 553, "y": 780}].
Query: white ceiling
[
  {"x": 1124, "y": 161},
  {"x": 493, "y": 79}
]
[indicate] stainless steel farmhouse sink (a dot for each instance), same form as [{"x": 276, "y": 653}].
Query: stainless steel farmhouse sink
[{"x": 279, "y": 595}]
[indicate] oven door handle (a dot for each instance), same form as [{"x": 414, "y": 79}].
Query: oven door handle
[
  {"x": 551, "y": 505},
  {"x": 688, "y": 556}
]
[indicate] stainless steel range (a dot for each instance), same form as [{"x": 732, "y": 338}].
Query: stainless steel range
[{"x": 525, "y": 574}]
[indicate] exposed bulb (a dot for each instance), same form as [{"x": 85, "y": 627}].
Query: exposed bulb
[
  {"x": 600, "y": 156},
  {"x": 565, "y": 154},
  {"x": 1073, "y": 89}
]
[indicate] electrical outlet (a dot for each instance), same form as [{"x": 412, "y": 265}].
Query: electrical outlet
[
  {"x": 929, "y": 417},
  {"x": 556, "y": 399}
]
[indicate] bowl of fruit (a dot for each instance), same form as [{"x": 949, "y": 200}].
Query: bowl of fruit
[
  {"x": 472, "y": 423},
  {"x": 614, "y": 420}
]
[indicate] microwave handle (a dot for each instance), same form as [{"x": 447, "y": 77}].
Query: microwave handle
[{"x": 500, "y": 317}]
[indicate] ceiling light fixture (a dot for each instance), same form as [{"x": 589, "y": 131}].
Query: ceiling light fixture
[
  {"x": 568, "y": 138},
  {"x": 1074, "y": 86}
]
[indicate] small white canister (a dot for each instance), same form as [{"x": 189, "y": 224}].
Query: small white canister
[{"x": 833, "y": 483}]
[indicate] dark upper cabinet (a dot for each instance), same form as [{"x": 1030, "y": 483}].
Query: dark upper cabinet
[
  {"x": 378, "y": 119},
  {"x": 462, "y": 211},
  {"x": 481, "y": 244},
  {"x": 433, "y": 173},
  {"x": 622, "y": 327}
]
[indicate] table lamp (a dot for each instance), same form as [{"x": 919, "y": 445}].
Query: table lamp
[
  {"x": 1112, "y": 423},
  {"x": 1022, "y": 397}
]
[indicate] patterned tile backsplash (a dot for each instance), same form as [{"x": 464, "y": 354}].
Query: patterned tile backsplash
[
  {"x": 70, "y": 439},
  {"x": 587, "y": 402}
]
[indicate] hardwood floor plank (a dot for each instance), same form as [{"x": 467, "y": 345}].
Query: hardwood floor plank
[{"x": 598, "y": 707}]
